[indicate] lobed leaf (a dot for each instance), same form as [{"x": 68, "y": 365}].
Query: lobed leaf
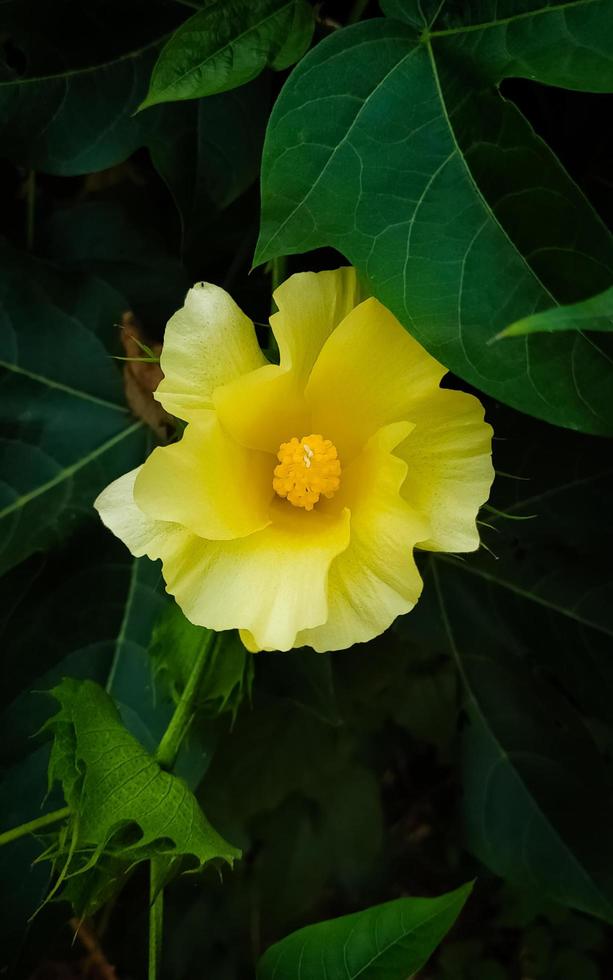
[
  {"x": 391, "y": 143},
  {"x": 386, "y": 942},
  {"x": 112, "y": 784}
]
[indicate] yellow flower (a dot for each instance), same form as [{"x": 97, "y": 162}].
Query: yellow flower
[{"x": 293, "y": 502}]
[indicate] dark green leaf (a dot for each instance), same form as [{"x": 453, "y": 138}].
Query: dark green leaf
[
  {"x": 112, "y": 785},
  {"x": 65, "y": 431},
  {"x": 97, "y": 238},
  {"x": 308, "y": 844},
  {"x": 595, "y": 313},
  {"x": 226, "y": 44},
  {"x": 23, "y": 884},
  {"x": 51, "y": 117},
  {"x": 386, "y": 942},
  {"x": 305, "y": 679},
  {"x": 208, "y": 151},
  {"x": 531, "y": 632},
  {"x": 54, "y": 121},
  {"x": 393, "y": 146},
  {"x": 87, "y": 611}
]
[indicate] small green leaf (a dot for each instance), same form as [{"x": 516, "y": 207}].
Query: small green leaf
[
  {"x": 115, "y": 787},
  {"x": 226, "y": 44},
  {"x": 595, "y": 313},
  {"x": 228, "y": 675},
  {"x": 385, "y": 942}
]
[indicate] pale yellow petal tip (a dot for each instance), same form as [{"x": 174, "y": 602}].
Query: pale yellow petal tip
[{"x": 249, "y": 641}]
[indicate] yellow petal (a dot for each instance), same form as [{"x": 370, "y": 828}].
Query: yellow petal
[
  {"x": 207, "y": 483},
  {"x": 263, "y": 409},
  {"x": 120, "y": 514},
  {"x": 249, "y": 642},
  {"x": 368, "y": 374},
  {"x": 449, "y": 468},
  {"x": 375, "y": 579},
  {"x": 272, "y": 584},
  {"x": 311, "y": 305},
  {"x": 207, "y": 343}
]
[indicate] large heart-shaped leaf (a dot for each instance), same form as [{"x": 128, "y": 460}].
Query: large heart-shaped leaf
[
  {"x": 386, "y": 942},
  {"x": 390, "y": 142}
]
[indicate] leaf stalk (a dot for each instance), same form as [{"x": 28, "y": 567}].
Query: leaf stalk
[
  {"x": 32, "y": 826},
  {"x": 181, "y": 720}
]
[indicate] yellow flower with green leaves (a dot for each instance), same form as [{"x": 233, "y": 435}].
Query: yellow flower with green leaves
[{"x": 292, "y": 504}]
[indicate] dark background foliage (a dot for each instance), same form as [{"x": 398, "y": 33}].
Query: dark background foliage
[{"x": 473, "y": 740}]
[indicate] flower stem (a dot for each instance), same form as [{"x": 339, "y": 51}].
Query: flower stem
[
  {"x": 278, "y": 270},
  {"x": 180, "y": 722},
  {"x": 156, "y": 917},
  {"x": 165, "y": 756},
  {"x": 33, "y": 825}
]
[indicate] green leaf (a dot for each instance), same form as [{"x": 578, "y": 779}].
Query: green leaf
[
  {"x": 51, "y": 118},
  {"x": 98, "y": 238},
  {"x": 208, "y": 152},
  {"x": 226, "y": 44},
  {"x": 86, "y": 611},
  {"x": 114, "y": 786},
  {"x": 65, "y": 431},
  {"x": 386, "y": 942},
  {"x": 21, "y": 890},
  {"x": 595, "y": 313},
  {"x": 391, "y": 143},
  {"x": 229, "y": 672},
  {"x": 531, "y": 633},
  {"x": 306, "y": 846},
  {"x": 305, "y": 679}
]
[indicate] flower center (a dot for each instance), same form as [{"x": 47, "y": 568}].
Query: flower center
[{"x": 308, "y": 468}]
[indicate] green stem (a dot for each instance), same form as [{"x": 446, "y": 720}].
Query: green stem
[
  {"x": 156, "y": 917},
  {"x": 165, "y": 756},
  {"x": 180, "y": 722},
  {"x": 33, "y": 825},
  {"x": 278, "y": 271},
  {"x": 30, "y": 205},
  {"x": 356, "y": 11}
]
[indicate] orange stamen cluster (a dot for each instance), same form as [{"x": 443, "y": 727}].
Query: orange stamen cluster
[{"x": 308, "y": 468}]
